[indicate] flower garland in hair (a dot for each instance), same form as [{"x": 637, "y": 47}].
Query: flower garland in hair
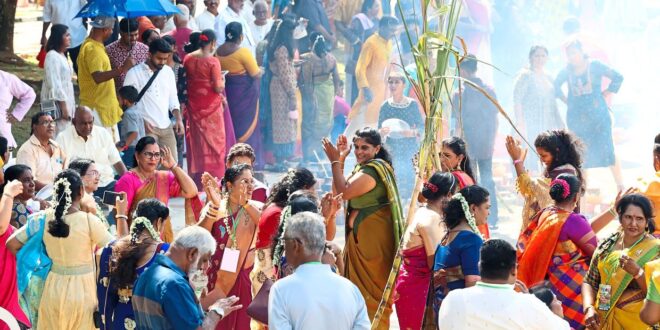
[
  {"x": 278, "y": 251},
  {"x": 147, "y": 224},
  {"x": 466, "y": 210},
  {"x": 60, "y": 184},
  {"x": 564, "y": 184}
]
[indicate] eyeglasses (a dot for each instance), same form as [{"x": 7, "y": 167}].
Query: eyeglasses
[
  {"x": 47, "y": 123},
  {"x": 394, "y": 81},
  {"x": 152, "y": 155},
  {"x": 92, "y": 174}
]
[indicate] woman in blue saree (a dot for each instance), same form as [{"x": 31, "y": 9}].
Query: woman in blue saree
[{"x": 457, "y": 256}]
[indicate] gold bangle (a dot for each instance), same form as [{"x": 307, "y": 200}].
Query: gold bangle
[
  {"x": 120, "y": 216},
  {"x": 336, "y": 161},
  {"x": 612, "y": 212}
]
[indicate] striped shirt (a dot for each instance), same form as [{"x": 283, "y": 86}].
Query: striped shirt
[{"x": 164, "y": 299}]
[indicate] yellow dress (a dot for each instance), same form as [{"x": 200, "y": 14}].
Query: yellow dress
[{"x": 69, "y": 296}]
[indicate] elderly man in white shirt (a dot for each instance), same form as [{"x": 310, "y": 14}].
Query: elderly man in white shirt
[
  {"x": 64, "y": 12},
  {"x": 313, "y": 297},
  {"x": 232, "y": 13},
  {"x": 160, "y": 98},
  {"x": 85, "y": 140},
  {"x": 492, "y": 303}
]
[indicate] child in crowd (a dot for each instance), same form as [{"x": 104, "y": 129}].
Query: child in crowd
[
  {"x": 132, "y": 125},
  {"x": 340, "y": 112}
]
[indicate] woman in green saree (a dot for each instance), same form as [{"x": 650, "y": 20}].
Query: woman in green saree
[
  {"x": 614, "y": 288},
  {"x": 374, "y": 222}
]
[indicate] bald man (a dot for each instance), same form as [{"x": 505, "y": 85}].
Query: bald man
[{"x": 85, "y": 140}]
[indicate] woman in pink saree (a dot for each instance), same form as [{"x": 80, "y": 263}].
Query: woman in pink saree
[
  {"x": 421, "y": 239},
  {"x": 146, "y": 181}
]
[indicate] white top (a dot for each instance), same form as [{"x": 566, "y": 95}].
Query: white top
[
  {"x": 169, "y": 25},
  {"x": 205, "y": 20},
  {"x": 227, "y": 16},
  {"x": 160, "y": 99},
  {"x": 259, "y": 32},
  {"x": 496, "y": 306},
  {"x": 58, "y": 83},
  {"x": 63, "y": 12},
  {"x": 247, "y": 10},
  {"x": 316, "y": 298},
  {"x": 99, "y": 147}
]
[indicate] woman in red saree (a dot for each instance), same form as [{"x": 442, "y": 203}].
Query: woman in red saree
[
  {"x": 146, "y": 181},
  {"x": 421, "y": 239},
  {"x": 455, "y": 159},
  {"x": 205, "y": 127},
  {"x": 232, "y": 219},
  {"x": 557, "y": 246}
]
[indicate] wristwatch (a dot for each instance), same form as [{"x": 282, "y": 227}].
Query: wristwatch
[{"x": 218, "y": 311}]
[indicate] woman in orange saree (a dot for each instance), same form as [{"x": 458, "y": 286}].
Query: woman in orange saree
[
  {"x": 454, "y": 159},
  {"x": 614, "y": 289},
  {"x": 557, "y": 246},
  {"x": 205, "y": 127},
  {"x": 146, "y": 181}
]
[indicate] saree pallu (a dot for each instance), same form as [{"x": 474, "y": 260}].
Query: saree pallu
[
  {"x": 412, "y": 287},
  {"x": 233, "y": 283},
  {"x": 318, "y": 106},
  {"x": 33, "y": 266},
  {"x": 369, "y": 254},
  {"x": 160, "y": 190},
  {"x": 261, "y": 271},
  {"x": 626, "y": 304},
  {"x": 243, "y": 98},
  {"x": 368, "y": 257},
  {"x": 564, "y": 266},
  {"x": 317, "y": 116},
  {"x": 205, "y": 128},
  {"x": 533, "y": 247}
]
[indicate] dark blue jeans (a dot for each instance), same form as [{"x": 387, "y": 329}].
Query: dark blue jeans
[{"x": 485, "y": 168}]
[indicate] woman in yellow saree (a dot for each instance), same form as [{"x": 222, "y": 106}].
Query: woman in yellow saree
[
  {"x": 614, "y": 288},
  {"x": 374, "y": 222},
  {"x": 146, "y": 181}
]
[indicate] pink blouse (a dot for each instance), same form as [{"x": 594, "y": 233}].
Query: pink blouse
[{"x": 130, "y": 183}]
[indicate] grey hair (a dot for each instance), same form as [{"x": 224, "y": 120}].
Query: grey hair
[
  {"x": 195, "y": 237},
  {"x": 309, "y": 228}
]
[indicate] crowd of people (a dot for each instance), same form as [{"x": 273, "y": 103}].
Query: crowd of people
[{"x": 86, "y": 235}]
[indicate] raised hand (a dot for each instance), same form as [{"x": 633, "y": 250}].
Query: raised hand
[
  {"x": 343, "y": 147},
  {"x": 14, "y": 188},
  {"x": 515, "y": 150},
  {"x": 121, "y": 204},
  {"x": 212, "y": 189},
  {"x": 168, "y": 160}
]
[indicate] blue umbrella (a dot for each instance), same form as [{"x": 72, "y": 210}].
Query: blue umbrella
[{"x": 128, "y": 8}]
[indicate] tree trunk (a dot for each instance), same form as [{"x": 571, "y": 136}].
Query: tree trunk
[{"x": 7, "y": 16}]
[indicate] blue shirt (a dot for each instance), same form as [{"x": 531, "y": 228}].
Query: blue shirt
[{"x": 164, "y": 299}]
